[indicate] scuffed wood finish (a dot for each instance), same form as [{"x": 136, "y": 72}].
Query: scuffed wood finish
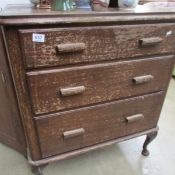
[
  {"x": 101, "y": 123},
  {"x": 70, "y": 48},
  {"x": 88, "y": 149},
  {"x": 65, "y": 92},
  {"x": 11, "y": 130},
  {"x": 97, "y": 79},
  {"x": 102, "y": 43},
  {"x": 29, "y": 16},
  {"x": 150, "y": 41},
  {"x": 18, "y": 75},
  {"x": 97, "y": 19},
  {"x": 102, "y": 82}
]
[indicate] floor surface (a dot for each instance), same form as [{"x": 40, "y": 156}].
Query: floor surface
[{"x": 120, "y": 159}]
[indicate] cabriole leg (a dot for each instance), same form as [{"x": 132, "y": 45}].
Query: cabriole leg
[{"x": 150, "y": 137}]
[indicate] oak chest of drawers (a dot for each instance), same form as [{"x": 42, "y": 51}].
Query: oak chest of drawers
[{"x": 74, "y": 82}]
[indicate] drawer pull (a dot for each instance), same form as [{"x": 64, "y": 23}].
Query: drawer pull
[
  {"x": 69, "y": 48},
  {"x": 134, "y": 118},
  {"x": 143, "y": 79},
  {"x": 73, "y": 133},
  {"x": 150, "y": 41},
  {"x": 72, "y": 91}
]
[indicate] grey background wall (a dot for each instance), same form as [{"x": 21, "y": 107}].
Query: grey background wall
[{"x": 3, "y": 3}]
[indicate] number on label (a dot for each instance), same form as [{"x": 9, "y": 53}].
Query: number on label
[{"x": 38, "y": 38}]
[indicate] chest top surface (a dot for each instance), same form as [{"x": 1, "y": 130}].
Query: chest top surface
[{"x": 24, "y": 15}]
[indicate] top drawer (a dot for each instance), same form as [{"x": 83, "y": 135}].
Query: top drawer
[{"x": 62, "y": 46}]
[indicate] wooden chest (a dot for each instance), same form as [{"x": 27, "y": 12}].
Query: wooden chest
[{"x": 74, "y": 82}]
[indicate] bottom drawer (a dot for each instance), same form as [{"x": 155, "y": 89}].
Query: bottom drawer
[{"x": 74, "y": 129}]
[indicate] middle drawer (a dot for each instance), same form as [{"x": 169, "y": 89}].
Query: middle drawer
[{"x": 59, "y": 89}]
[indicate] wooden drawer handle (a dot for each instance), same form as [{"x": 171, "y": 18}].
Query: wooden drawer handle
[
  {"x": 73, "y": 133},
  {"x": 72, "y": 91},
  {"x": 150, "y": 41},
  {"x": 69, "y": 48},
  {"x": 134, "y": 118},
  {"x": 143, "y": 79}
]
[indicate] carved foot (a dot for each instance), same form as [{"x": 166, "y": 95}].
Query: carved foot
[
  {"x": 38, "y": 170},
  {"x": 145, "y": 152},
  {"x": 150, "y": 137}
]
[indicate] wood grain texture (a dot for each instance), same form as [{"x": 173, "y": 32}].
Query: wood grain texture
[
  {"x": 102, "y": 43},
  {"x": 18, "y": 75},
  {"x": 155, "y": 17},
  {"x": 87, "y": 149},
  {"x": 101, "y": 123},
  {"x": 70, "y": 48},
  {"x": 151, "y": 41},
  {"x": 65, "y": 92},
  {"x": 102, "y": 82},
  {"x": 11, "y": 130},
  {"x": 27, "y": 16},
  {"x": 111, "y": 56}
]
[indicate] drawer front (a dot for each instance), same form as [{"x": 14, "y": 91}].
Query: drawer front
[
  {"x": 59, "y": 89},
  {"x": 76, "y": 129},
  {"x": 63, "y": 46}
]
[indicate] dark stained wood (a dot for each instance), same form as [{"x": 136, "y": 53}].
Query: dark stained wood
[
  {"x": 102, "y": 43},
  {"x": 102, "y": 82},
  {"x": 104, "y": 19},
  {"x": 87, "y": 149},
  {"x": 28, "y": 16},
  {"x": 100, "y": 123},
  {"x": 11, "y": 130},
  {"x": 70, "y": 48},
  {"x": 92, "y": 76},
  {"x": 150, "y": 137},
  {"x": 18, "y": 75}
]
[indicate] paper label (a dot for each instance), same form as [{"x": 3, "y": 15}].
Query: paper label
[
  {"x": 169, "y": 33},
  {"x": 40, "y": 38}
]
